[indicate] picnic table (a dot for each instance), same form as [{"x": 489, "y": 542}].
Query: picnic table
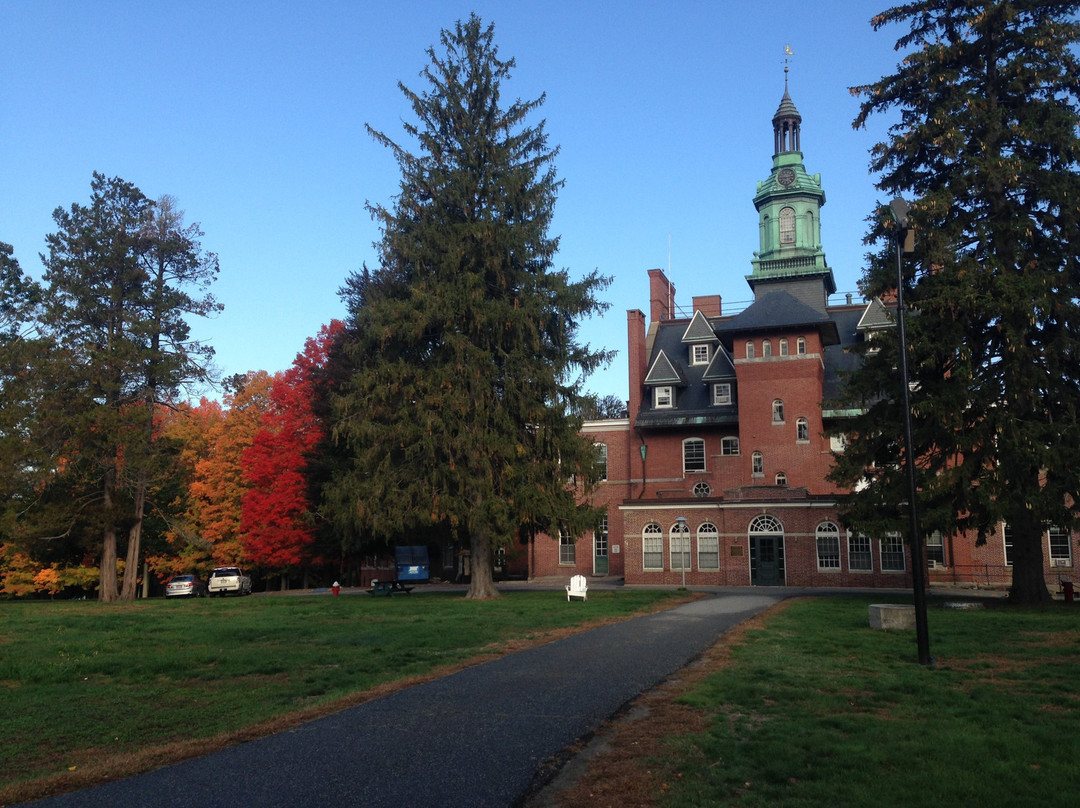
[{"x": 389, "y": 588}]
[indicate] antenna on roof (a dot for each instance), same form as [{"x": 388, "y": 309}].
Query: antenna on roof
[{"x": 671, "y": 294}]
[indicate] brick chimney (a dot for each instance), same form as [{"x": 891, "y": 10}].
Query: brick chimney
[
  {"x": 661, "y": 296},
  {"x": 636, "y": 358},
  {"x": 708, "y": 305}
]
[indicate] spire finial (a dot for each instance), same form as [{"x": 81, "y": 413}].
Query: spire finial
[{"x": 788, "y": 53}]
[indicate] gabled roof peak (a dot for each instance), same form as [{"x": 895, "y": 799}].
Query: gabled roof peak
[{"x": 699, "y": 330}]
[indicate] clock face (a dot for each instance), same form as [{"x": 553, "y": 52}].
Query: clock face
[{"x": 786, "y": 177}]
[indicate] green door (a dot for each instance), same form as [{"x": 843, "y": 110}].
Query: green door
[
  {"x": 767, "y": 561},
  {"x": 600, "y": 549}
]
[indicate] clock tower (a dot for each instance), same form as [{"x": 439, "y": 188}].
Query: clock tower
[{"x": 789, "y": 211}]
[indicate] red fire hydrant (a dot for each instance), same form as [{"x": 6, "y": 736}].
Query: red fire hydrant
[
  {"x": 336, "y": 588},
  {"x": 1067, "y": 589}
]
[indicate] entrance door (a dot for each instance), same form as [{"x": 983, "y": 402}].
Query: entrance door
[
  {"x": 767, "y": 561},
  {"x": 600, "y": 549}
]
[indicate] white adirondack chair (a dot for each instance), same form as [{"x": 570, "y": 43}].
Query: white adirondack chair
[{"x": 577, "y": 588}]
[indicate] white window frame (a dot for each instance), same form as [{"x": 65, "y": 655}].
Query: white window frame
[
  {"x": 721, "y": 394},
  {"x": 766, "y": 347},
  {"x": 663, "y": 397},
  {"x": 1057, "y": 557},
  {"x": 828, "y": 547},
  {"x": 860, "y": 553},
  {"x": 567, "y": 549},
  {"x": 757, "y": 464},
  {"x": 601, "y": 460},
  {"x": 935, "y": 548},
  {"x": 693, "y": 462},
  {"x": 778, "y": 411},
  {"x": 1007, "y": 544},
  {"x": 749, "y": 349},
  {"x": 781, "y": 478},
  {"x": 708, "y": 547},
  {"x": 892, "y": 547},
  {"x": 700, "y": 354},
  {"x": 802, "y": 430},
  {"x": 679, "y": 547},
  {"x": 800, "y": 346},
  {"x": 652, "y": 547},
  {"x": 783, "y": 346}
]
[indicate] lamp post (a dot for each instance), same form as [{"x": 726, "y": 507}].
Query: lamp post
[
  {"x": 681, "y": 522},
  {"x": 644, "y": 451},
  {"x": 904, "y": 238}
]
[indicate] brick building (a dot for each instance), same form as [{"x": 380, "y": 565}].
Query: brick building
[{"x": 718, "y": 475}]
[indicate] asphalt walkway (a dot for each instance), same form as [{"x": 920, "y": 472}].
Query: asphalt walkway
[{"x": 475, "y": 738}]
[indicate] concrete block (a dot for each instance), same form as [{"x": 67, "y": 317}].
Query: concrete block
[{"x": 892, "y": 615}]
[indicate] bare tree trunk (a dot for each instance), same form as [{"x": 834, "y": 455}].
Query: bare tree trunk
[
  {"x": 107, "y": 575},
  {"x": 134, "y": 548},
  {"x": 482, "y": 581}
]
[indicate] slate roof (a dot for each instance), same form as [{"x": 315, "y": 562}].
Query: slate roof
[
  {"x": 841, "y": 327},
  {"x": 779, "y": 310}
]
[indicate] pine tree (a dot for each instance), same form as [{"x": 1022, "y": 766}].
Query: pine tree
[
  {"x": 119, "y": 275},
  {"x": 463, "y": 340},
  {"x": 987, "y": 151}
]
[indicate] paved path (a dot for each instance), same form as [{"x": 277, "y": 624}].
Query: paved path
[{"x": 475, "y": 738}]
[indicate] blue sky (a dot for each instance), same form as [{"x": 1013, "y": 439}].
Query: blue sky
[{"x": 252, "y": 115}]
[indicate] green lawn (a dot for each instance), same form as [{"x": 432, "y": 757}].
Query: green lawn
[
  {"x": 820, "y": 710},
  {"x": 83, "y": 682}
]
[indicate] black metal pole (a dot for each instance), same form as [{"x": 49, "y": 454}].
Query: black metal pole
[{"x": 918, "y": 560}]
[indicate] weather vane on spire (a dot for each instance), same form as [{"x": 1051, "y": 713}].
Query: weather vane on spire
[{"x": 788, "y": 53}]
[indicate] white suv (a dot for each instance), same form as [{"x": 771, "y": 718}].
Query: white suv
[{"x": 229, "y": 580}]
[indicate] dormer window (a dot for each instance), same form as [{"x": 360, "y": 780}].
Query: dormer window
[
  {"x": 700, "y": 354},
  {"x": 721, "y": 393},
  {"x": 663, "y": 397}
]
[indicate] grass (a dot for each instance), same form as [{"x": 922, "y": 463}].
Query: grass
[
  {"x": 819, "y": 709},
  {"x": 92, "y": 691}
]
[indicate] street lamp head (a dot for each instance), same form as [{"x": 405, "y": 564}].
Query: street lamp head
[{"x": 899, "y": 208}]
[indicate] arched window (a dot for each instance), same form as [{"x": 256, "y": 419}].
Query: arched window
[
  {"x": 828, "y": 546},
  {"x": 778, "y": 411},
  {"x": 802, "y": 430},
  {"x": 749, "y": 349},
  {"x": 783, "y": 347},
  {"x": 766, "y": 523},
  {"x": 800, "y": 346},
  {"x": 757, "y": 464},
  {"x": 693, "y": 455},
  {"x": 787, "y": 226},
  {"x": 708, "y": 547},
  {"x": 766, "y": 348},
  {"x": 652, "y": 547},
  {"x": 680, "y": 546},
  {"x": 781, "y": 478}
]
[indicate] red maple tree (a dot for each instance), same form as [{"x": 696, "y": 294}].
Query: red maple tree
[{"x": 276, "y": 522}]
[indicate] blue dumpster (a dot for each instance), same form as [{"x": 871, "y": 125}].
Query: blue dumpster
[{"x": 412, "y": 563}]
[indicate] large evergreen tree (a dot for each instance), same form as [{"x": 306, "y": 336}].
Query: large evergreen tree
[
  {"x": 986, "y": 149},
  {"x": 464, "y": 341},
  {"x": 120, "y": 272}
]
